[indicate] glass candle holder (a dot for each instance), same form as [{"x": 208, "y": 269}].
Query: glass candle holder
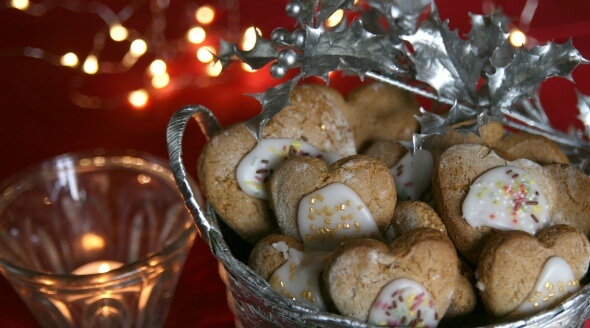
[{"x": 95, "y": 239}]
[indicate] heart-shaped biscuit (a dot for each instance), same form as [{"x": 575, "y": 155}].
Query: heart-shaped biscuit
[
  {"x": 380, "y": 111},
  {"x": 410, "y": 215},
  {"x": 315, "y": 118},
  {"x": 370, "y": 281},
  {"x": 291, "y": 270},
  {"x": 535, "y": 147},
  {"x": 322, "y": 205},
  {"x": 519, "y": 274},
  {"x": 476, "y": 193},
  {"x": 573, "y": 196}
]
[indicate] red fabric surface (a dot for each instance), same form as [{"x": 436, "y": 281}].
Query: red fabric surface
[{"x": 38, "y": 120}]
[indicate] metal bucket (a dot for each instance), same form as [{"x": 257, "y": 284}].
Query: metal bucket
[{"x": 251, "y": 298}]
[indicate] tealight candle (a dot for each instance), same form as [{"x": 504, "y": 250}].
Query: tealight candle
[{"x": 97, "y": 267}]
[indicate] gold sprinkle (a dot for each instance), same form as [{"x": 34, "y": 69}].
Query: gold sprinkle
[
  {"x": 357, "y": 226},
  {"x": 311, "y": 217},
  {"x": 312, "y": 201},
  {"x": 536, "y": 304},
  {"x": 342, "y": 206},
  {"x": 291, "y": 296},
  {"x": 292, "y": 268},
  {"x": 532, "y": 300},
  {"x": 311, "y": 210},
  {"x": 346, "y": 226},
  {"x": 538, "y": 293},
  {"x": 347, "y": 203},
  {"x": 549, "y": 286},
  {"x": 328, "y": 221},
  {"x": 360, "y": 207},
  {"x": 307, "y": 294},
  {"x": 311, "y": 227},
  {"x": 347, "y": 217},
  {"x": 320, "y": 198},
  {"x": 309, "y": 237}
]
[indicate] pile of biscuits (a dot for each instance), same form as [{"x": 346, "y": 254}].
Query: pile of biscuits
[{"x": 342, "y": 217}]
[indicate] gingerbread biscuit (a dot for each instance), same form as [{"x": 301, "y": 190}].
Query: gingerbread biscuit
[
  {"x": 322, "y": 205},
  {"x": 387, "y": 151},
  {"x": 489, "y": 135},
  {"x": 535, "y": 147},
  {"x": 379, "y": 111},
  {"x": 291, "y": 270},
  {"x": 315, "y": 117},
  {"x": 519, "y": 275},
  {"x": 410, "y": 215},
  {"x": 365, "y": 278},
  {"x": 471, "y": 204},
  {"x": 573, "y": 196}
]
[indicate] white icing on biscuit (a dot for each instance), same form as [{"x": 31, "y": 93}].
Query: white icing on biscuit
[
  {"x": 555, "y": 283},
  {"x": 255, "y": 168},
  {"x": 412, "y": 174},
  {"x": 332, "y": 214},
  {"x": 299, "y": 277},
  {"x": 506, "y": 198},
  {"x": 403, "y": 303}
]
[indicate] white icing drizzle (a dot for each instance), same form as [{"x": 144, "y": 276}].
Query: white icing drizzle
[
  {"x": 299, "y": 277},
  {"x": 332, "y": 214},
  {"x": 412, "y": 174},
  {"x": 255, "y": 168},
  {"x": 556, "y": 282},
  {"x": 506, "y": 198},
  {"x": 403, "y": 303}
]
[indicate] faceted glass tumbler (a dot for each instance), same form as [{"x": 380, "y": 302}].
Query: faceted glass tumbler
[{"x": 62, "y": 220}]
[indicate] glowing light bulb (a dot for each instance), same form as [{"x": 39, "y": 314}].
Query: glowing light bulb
[
  {"x": 161, "y": 80},
  {"x": 138, "y": 47},
  {"x": 205, "y": 14},
  {"x": 138, "y": 98},
  {"x": 205, "y": 54},
  {"x": 20, "y": 4},
  {"x": 196, "y": 35},
  {"x": 118, "y": 32},
  {"x": 214, "y": 68},
  {"x": 90, "y": 65},
  {"x": 517, "y": 37},
  {"x": 70, "y": 59},
  {"x": 249, "y": 38},
  {"x": 157, "y": 67},
  {"x": 335, "y": 19},
  {"x": 247, "y": 68}
]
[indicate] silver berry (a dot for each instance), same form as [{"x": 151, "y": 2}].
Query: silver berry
[
  {"x": 287, "y": 58},
  {"x": 277, "y": 71},
  {"x": 294, "y": 8},
  {"x": 298, "y": 38},
  {"x": 280, "y": 34}
]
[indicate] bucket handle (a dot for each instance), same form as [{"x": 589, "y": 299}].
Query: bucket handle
[{"x": 209, "y": 125}]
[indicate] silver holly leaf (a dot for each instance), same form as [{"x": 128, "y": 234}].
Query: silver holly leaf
[
  {"x": 401, "y": 15},
  {"x": 272, "y": 100},
  {"x": 584, "y": 108},
  {"x": 488, "y": 36},
  {"x": 528, "y": 69},
  {"x": 227, "y": 54},
  {"x": 444, "y": 61},
  {"x": 353, "y": 49}
]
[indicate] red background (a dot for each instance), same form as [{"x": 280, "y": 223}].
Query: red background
[{"x": 38, "y": 120}]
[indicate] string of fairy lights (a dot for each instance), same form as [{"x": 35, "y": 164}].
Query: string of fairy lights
[{"x": 199, "y": 38}]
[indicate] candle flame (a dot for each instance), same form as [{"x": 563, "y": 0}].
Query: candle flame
[{"x": 104, "y": 267}]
